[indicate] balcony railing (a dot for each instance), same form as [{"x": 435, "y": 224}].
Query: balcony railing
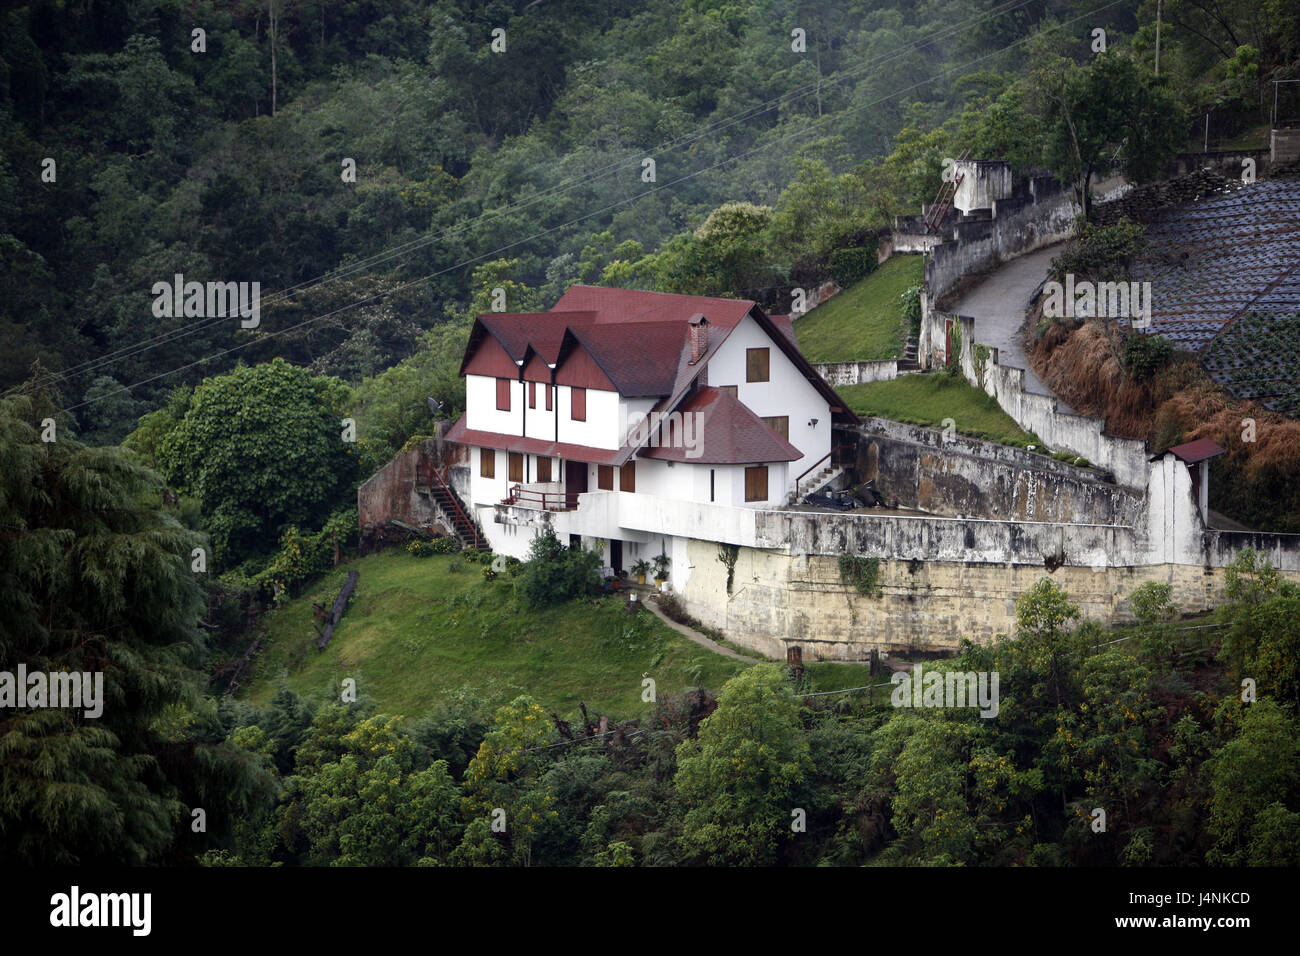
[{"x": 541, "y": 500}]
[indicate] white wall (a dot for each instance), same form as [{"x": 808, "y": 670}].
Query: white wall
[
  {"x": 539, "y": 422},
  {"x": 481, "y": 406},
  {"x": 601, "y": 429},
  {"x": 786, "y": 393}
]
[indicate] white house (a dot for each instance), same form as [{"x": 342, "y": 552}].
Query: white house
[{"x": 628, "y": 419}]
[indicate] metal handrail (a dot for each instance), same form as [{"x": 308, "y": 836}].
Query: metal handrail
[
  {"x": 829, "y": 454},
  {"x": 562, "y": 501},
  {"x": 455, "y": 503}
]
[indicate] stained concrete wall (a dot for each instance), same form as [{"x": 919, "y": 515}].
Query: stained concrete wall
[
  {"x": 1284, "y": 146},
  {"x": 983, "y": 181},
  {"x": 390, "y": 493},
  {"x": 780, "y": 599},
  {"x": 1083, "y": 435},
  {"x": 857, "y": 373},
  {"x": 966, "y": 476}
]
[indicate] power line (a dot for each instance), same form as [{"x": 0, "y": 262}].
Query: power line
[
  {"x": 587, "y": 179},
  {"x": 583, "y": 218}
]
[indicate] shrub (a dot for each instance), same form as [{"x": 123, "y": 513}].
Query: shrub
[
  {"x": 303, "y": 556},
  {"x": 1100, "y": 252},
  {"x": 554, "y": 574},
  {"x": 848, "y": 266},
  {"x": 1144, "y": 355}
]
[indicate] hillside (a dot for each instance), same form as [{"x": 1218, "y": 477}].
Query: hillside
[
  {"x": 865, "y": 322},
  {"x": 420, "y": 630},
  {"x": 930, "y": 399}
]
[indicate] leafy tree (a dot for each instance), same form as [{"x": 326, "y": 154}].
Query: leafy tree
[
  {"x": 1254, "y": 776},
  {"x": 262, "y": 448},
  {"x": 1090, "y": 111},
  {"x": 739, "y": 777},
  {"x": 95, "y": 579}
]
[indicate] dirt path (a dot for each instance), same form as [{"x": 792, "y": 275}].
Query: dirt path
[
  {"x": 700, "y": 639},
  {"x": 998, "y": 307}
]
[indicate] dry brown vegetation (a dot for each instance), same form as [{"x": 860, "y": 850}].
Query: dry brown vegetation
[{"x": 1257, "y": 482}]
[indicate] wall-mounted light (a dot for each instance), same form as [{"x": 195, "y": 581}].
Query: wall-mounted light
[{"x": 812, "y": 423}]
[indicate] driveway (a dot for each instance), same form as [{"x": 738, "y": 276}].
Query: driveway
[{"x": 998, "y": 306}]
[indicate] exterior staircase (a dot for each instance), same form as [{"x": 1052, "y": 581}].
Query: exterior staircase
[
  {"x": 938, "y": 210},
  {"x": 908, "y": 362},
  {"x": 430, "y": 482}
]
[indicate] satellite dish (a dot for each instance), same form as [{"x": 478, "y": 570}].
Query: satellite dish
[{"x": 434, "y": 406}]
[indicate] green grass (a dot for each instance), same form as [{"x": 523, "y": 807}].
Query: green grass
[
  {"x": 416, "y": 633},
  {"x": 929, "y": 399},
  {"x": 865, "y": 322}
]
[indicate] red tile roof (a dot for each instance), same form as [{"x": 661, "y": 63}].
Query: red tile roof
[
  {"x": 640, "y": 340},
  {"x": 728, "y": 433},
  {"x": 1194, "y": 451},
  {"x": 460, "y": 435},
  {"x": 786, "y": 324},
  {"x": 633, "y": 305}
]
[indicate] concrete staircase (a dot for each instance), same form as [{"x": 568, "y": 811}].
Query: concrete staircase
[
  {"x": 815, "y": 483},
  {"x": 453, "y": 511},
  {"x": 908, "y": 362}
]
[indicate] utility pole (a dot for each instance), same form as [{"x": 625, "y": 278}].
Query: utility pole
[{"x": 1159, "y": 5}]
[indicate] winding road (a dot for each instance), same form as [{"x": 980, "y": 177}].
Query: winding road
[{"x": 998, "y": 306}]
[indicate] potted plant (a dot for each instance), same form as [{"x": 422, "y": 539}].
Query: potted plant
[
  {"x": 661, "y": 570},
  {"x": 641, "y": 569}
]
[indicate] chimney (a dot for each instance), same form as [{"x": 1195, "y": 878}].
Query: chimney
[{"x": 699, "y": 336}]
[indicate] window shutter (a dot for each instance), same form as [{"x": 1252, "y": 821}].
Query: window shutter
[
  {"x": 532, "y": 394},
  {"x": 627, "y": 477},
  {"x": 578, "y": 404},
  {"x": 605, "y": 477},
  {"x": 757, "y": 365},
  {"x": 756, "y": 483},
  {"x": 779, "y": 424},
  {"x": 543, "y": 469},
  {"x": 487, "y": 463},
  {"x": 549, "y": 392},
  {"x": 516, "y": 466},
  {"x": 503, "y": 394}
]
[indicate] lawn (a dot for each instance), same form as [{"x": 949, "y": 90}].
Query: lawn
[
  {"x": 418, "y": 632},
  {"x": 930, "y": 398},
  {"x": 865, "y": 322}
]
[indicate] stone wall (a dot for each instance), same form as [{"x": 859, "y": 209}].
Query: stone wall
[
  {"x": 1226, "y": 162},
  {"x": 780, "y": 599},
  {"x": 966, "y": 476},
  {"x": 1124, "y": 458},
  {"x": 1143, "y": 203}
]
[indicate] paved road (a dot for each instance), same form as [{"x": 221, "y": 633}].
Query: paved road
[{"x": 998, "y": 307}]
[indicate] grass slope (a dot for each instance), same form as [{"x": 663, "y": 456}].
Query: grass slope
[
  {"x": 418, "y": 632},
  {"x": 929, "y": 399},
  {"x": 865, "y": 322}
]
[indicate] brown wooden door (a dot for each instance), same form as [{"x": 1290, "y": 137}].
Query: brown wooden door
[{"x": 575, "y": 482}]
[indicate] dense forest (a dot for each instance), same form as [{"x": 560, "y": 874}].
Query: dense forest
[{"x": 379, "y": 168}]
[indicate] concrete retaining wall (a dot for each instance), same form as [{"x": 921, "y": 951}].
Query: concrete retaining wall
[
  {"x": 966, "y": 476},
  {"x": 925, "y": 605},
  {"x": 857, "y": 373}
]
